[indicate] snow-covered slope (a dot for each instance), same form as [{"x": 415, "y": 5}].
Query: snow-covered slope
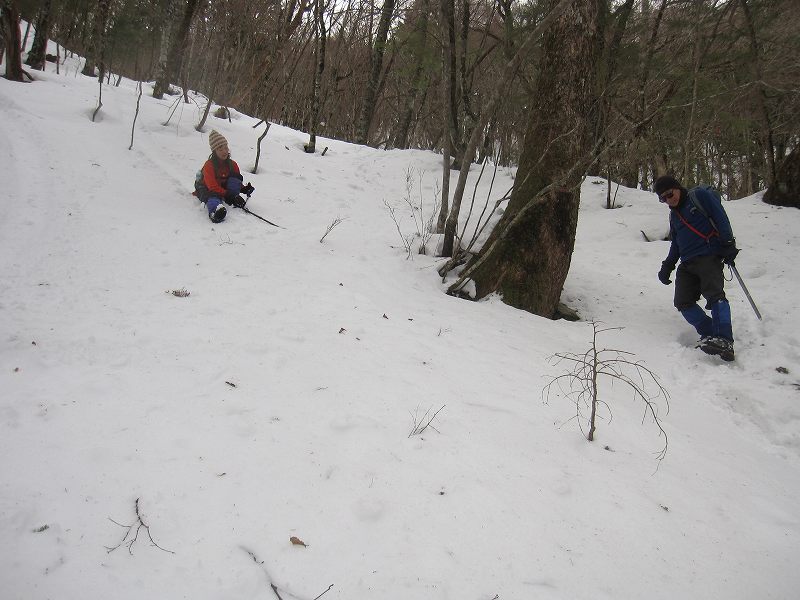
[{"x": 277, "y": 399}]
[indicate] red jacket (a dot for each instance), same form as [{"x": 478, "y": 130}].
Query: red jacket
[{"x": 216, "y": 179}]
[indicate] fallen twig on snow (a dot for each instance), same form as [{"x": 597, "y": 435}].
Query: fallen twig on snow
[
  {"x": 269, "y": 579},
  {"x": 135, "y": 528}
]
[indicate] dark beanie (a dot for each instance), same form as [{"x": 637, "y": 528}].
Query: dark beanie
[{"x": 664, "y": 183}]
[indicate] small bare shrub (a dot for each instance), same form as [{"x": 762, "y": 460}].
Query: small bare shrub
[
  {"x": 335, "y": 222},
  {"x": 423, "y": 227},
  {"x": 582, "y": 380},
  {"x": 421, "y": 423}
]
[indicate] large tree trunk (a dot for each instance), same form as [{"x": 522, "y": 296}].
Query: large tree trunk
[
  {"x": 9, "y": 24},
  {"x": 785, "y": 190},
  {"x": 36, "y": 57},
  {"x": 162, "y": 78},
  {"x": 527, "y": 257},
  {"x": 766, "y": 135},
  {"x": 464, "y": 118},
  {"x": 174, "y": 54},
  {"x": 376, "y": 64},
  {"x": 448, "y": 108},
  {"x": 488, "y": 111},
  {"x": 175, "y": 58},
  {"x": 418, "y": 80},
  {"x": 319, "y": 18},
  {"x": 95, "y": 55}
]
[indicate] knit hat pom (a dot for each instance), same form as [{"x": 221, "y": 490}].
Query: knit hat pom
[
  {"x": 664, "y": 183},
  {"x": 216, "y": 140}
]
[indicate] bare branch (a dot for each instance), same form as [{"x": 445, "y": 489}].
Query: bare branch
[
  {"x": 421, "y": 424},
  {"x": 335, "y": 222},
  {"x": 133, "y": 531}
]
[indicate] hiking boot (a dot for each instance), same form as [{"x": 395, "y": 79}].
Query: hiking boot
[
  {"x": 702, "y": 341},
  {"x": 717, "y": 345},
  {"x": 219, "y": 214}
]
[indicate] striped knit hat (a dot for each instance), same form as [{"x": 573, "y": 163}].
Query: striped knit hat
[{"x": 216, "y": 140}]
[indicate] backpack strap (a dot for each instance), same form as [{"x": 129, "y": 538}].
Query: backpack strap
[
  {"x": 696, "y": 203},
  {"x": 705, "y": 237}
]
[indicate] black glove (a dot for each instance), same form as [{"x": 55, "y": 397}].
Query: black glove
[
  {"x": 727, "y": 251},
  {"x": 238, "y": 201},
  {"x": 248, "y": 189},
  {"x": 665, "y": 272}
]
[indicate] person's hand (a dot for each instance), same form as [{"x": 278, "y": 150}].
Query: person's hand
[
  {"x": 248, "y": 189},
  {"x": 238, "y": 202},
  {"x": 727, "y": 251},
  {"x": 665, "y": 272}
]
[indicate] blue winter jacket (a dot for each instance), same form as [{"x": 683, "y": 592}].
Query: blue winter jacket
[{"x": 704, "y": 240}]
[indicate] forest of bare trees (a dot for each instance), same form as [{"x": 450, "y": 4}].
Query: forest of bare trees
[{"x": 708, "y": 90}]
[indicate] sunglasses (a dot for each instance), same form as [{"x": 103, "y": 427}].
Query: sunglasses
[{"x": 666, "y": 196}]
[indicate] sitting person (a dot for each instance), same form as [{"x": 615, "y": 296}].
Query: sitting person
[{"x": 220, "y": 179}]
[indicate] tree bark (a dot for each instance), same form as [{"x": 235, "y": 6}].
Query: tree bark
[
  {"x": 785, "y": 190},
  {"x": 498, "y": 94},
  {"x": 174, "y": 56},
  {"x": 448, "y": 107},
  {"x": 36, "y": 57},
  {"x": 417, "y": 82},
  {"x": 526, "y": 258},
  {"x": 766, "y": 135},
  {"x": 319, "y": 14},
  {"x": 9, "y": 24},
  {"x": 162, "y": 78},
  {"x": 376, "y": 64},
  {"x": 95, "y": 55}
]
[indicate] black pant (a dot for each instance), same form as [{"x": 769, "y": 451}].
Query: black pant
[{"x": 696, "y": 276}]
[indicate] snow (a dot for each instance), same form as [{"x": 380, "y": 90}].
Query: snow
[{"x": 277, "y": 399}]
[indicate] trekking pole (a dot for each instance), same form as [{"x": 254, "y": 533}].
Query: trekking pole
[
  {"x": 735, "y": 271},
  {"x": 247, "y": 210}
]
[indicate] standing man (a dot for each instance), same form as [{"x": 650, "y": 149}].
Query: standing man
[{"x": 703, "y": 241}]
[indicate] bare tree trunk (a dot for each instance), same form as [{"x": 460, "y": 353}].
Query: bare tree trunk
[
  {"x": 376, "y": 65},
  {"x": 447, "y": 10},
  {"x": 647, "y": 53},
  {"x": 95, "y": 55},
  {"x": 464, "y": 116},
  {"x": 167, "y": 19},
  {"x": 785, "y": 190},
  {"x": 509, "y": 72},
  {"x": 700, "y": 48},
  {"x": 36, "y": 57},
  {"x": 527, "y": 256},
  {"x": 172, "y": 46},
  {"x": 9, "y": 25},
  {"x": 258, "y": 146},
  {"x": 421, "y": 35},
  {"x": 214, "y": 84},
  {"x": 766, "y": 133},
  {"x": 291, "y": 20},
  {"x": 318, "y": 71},
  {"x": 25, "y": 37},
  {"x": 615, "y": 31}
]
